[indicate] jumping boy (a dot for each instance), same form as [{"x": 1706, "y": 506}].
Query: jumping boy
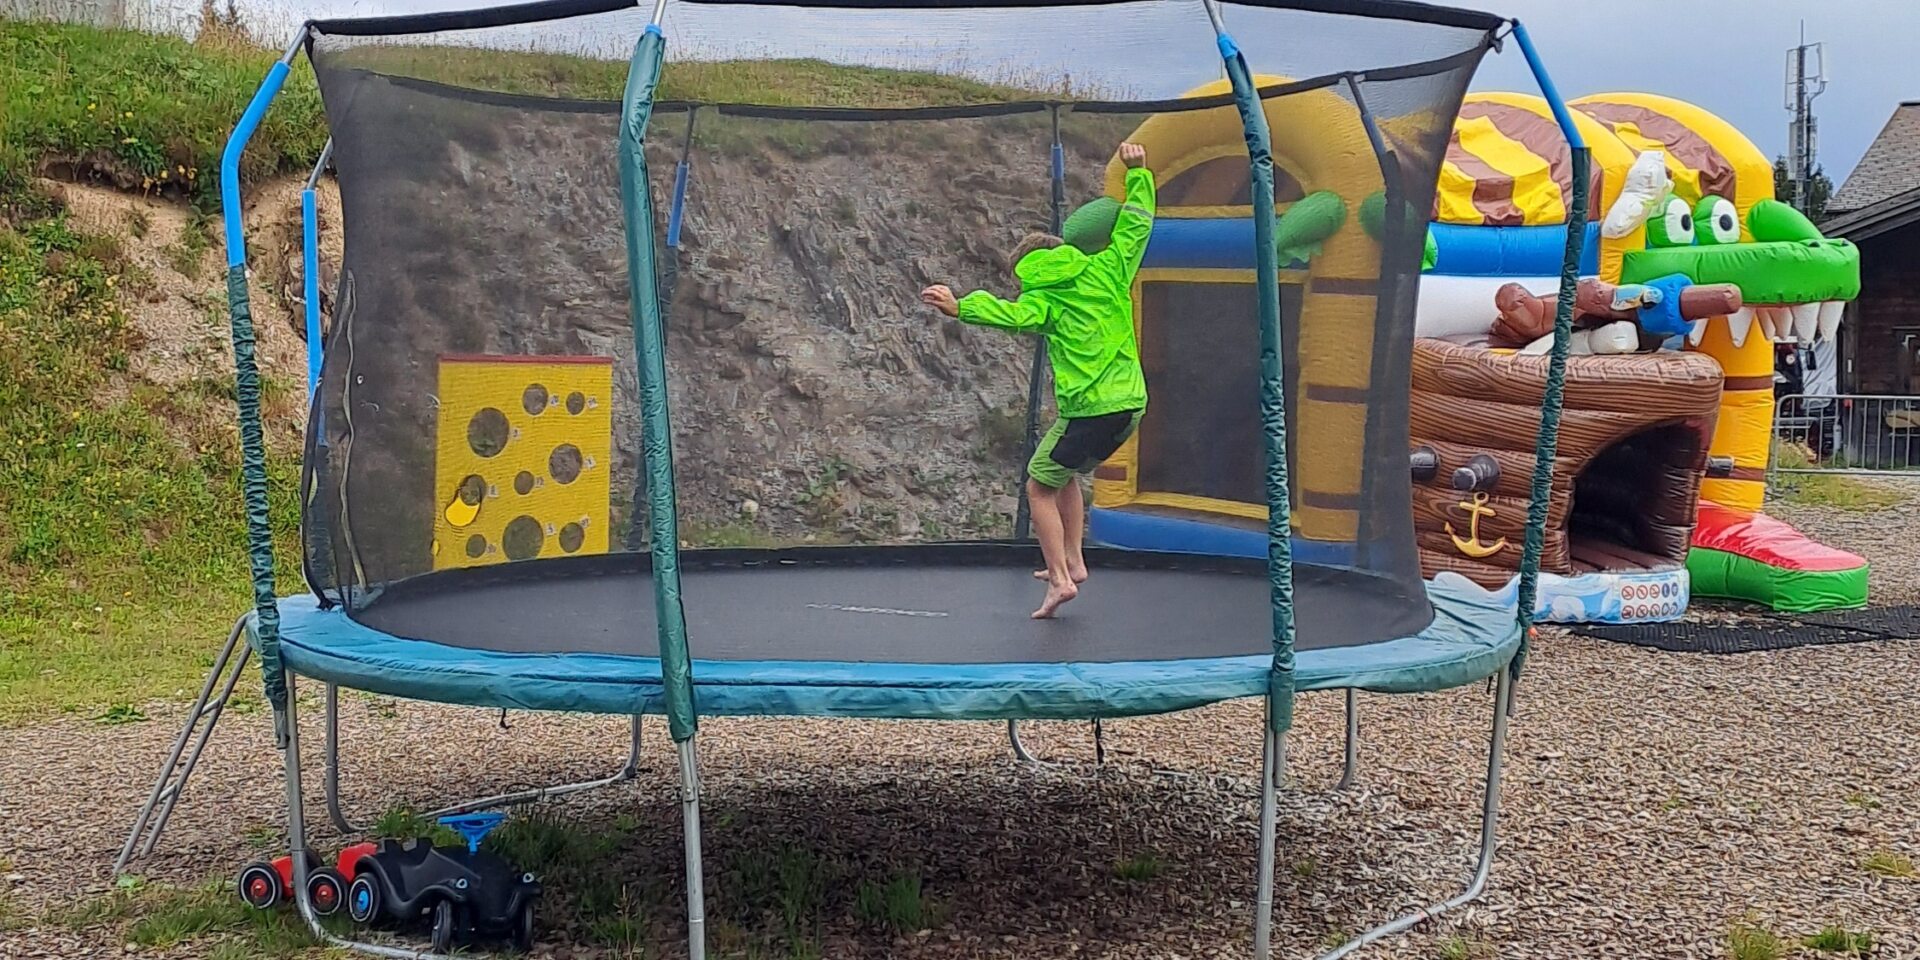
[{"x": 1083, "y": 305}]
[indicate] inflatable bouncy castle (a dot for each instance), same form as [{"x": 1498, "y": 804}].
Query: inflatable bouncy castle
[{"x": 1691, "y": 272}]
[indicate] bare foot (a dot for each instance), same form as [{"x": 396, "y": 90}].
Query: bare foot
[
  {"x": 1057, "y": 596},
  {"x": 1077, "y": 574}
]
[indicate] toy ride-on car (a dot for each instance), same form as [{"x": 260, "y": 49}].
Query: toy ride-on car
[
  {"x": 267, "y": 885},
  {"x": 469, "y": 894}
]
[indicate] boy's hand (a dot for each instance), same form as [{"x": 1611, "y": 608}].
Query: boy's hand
[
  {"x": 940, "y": 297},
  {"x": 1133, "y": 155}
]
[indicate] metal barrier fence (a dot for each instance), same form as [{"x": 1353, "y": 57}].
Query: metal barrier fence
[{"x": 1869, "y": 434}]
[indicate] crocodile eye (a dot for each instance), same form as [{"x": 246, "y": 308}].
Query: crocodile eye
[
  {"x": 1673, "y": 227},
  {"x": 1717, "y": 220}
]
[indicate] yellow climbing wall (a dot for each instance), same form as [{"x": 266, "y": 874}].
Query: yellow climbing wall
[{"x": 522, "y": 459}]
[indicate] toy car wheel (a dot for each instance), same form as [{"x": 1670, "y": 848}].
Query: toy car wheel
[
  {"x": 363, "y": 899},
  {"x": 523, "y": 929},
  {"x": 442, "y": 936},
  {"x": 259, "y": 885},
  {"x": 325, "y": 890}
]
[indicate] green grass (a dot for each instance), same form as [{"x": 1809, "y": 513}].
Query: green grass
[
  {"x": 774, "y": 82},
  {"x": 145, "y": 112},
  {"x": 1837, "y": 939},
  {"x": 208, "y": 920},
  {"x": 404, "y": 823},
  {"x": 1457, "y": 947},
  {"x": 1824, "y": 489},
  {"x": 121, "y": 531},
  {"x": 899, "y": 904},
  {"x": 1748, "y": 942},
  {"x": 1139, "y": 868},
  {"x": 1894, "y": 866}
]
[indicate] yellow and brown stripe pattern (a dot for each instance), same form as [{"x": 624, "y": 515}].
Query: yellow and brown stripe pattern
[{"x": 1507, "y": 165}]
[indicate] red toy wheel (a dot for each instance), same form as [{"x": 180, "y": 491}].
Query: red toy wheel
[
  {"x": 326, "y": 890},
  {"x": 259, "y": 885}
]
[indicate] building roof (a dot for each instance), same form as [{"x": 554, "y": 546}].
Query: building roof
[
  {"x": 1889, "y": 213},
  {"x": 1891, "y": 165}
]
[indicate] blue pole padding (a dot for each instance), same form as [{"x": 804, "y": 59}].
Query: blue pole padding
[
  {"x": 230, "y": 160},
  {"x": 679, "y": 204},
  {"x": 310, "y": 258},
  {"x": 1059, "y": 167},
  {"x": 1547, "y": 89}
]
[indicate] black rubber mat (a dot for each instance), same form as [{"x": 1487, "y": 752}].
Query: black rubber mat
[
  {"x": 1901, "y": 622},
  {"x": 1732, "y": 631}
]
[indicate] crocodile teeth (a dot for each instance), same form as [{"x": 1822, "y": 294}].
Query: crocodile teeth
[
  {"x": 1830, "y": 312},
  {"x": 1739, "y": 324},
  {"x": 1806, "y": 319},
  {"x": 1699, "y": 331},
  {"x": 1764, "y": 316}
]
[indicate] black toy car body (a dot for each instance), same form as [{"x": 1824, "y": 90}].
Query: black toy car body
[{"x": 468, "y": 894}]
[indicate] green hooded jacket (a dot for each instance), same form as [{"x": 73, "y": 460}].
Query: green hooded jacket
[{"x": 1083, "y": 305}]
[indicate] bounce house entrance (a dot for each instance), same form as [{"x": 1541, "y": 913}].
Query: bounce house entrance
[
  {"x": 1202, "y": 365},
  {"x": 1619, "y": 520}
]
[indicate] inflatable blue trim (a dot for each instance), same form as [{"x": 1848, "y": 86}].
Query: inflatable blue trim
[{"x": 1510, "y": 251}]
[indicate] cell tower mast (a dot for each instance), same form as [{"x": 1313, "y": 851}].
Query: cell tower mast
[{"x": 1806, "y": 79}]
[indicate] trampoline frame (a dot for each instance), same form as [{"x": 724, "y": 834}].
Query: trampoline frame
[{"x": 675, "y": 662}]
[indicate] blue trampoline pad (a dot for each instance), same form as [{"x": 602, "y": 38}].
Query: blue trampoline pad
[{"x": 1468, "y": 637}]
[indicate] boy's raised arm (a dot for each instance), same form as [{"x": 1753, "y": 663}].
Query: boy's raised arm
[{"x": 1135, "y": 223}]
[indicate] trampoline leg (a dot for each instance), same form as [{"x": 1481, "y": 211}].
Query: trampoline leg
[
  {"x": 1489, "y": 822},
  {"x": 1099, "y": 743},
  {"x": 335, "y": 812},
  {"x": 288, "y": 718},
  {"x": 330, "y": 762},
  {"x": 1019, "y": 748},
  {"x": 1272, "y": 769},
  {"x": 690, "y": 822},
  {"x": 1353, "y": 740}
]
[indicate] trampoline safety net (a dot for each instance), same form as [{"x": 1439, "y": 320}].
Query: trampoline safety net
[{"x": 812, "y": 169}]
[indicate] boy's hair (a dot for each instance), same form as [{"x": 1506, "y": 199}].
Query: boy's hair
[{"x": 1032, "y": 242}]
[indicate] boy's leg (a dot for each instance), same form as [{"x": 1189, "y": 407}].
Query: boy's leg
[
  {"x": 1073, "y": 521},
  {"x": 1072, "y": 504},
  {"x": 1045, "y": 480}
]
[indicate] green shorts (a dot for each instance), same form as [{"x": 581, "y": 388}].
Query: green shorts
[{"x": 1078, "y": 445}]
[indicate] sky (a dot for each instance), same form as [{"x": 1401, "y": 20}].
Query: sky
[{"x": 1729, "y": 57}]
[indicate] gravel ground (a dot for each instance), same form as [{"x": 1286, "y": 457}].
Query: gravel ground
[{"x": 1652, "y": 801}]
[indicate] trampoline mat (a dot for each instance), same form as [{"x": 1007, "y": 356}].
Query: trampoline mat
[{"x": 960, "y": 604}]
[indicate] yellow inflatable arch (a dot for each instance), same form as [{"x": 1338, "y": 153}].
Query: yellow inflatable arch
[{"x": 1319, "y": 144}]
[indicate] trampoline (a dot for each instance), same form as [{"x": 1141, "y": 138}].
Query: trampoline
[
  {"x": 600, "y": 321},
  {"x": 936, "y": 633}
]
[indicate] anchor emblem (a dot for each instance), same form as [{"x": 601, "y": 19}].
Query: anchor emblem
[{"x": 1471, "y": 546}]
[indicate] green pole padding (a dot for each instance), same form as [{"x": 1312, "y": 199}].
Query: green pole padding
[
  {"x": 656, "y": 435},
  {"x": 1547, "y": 444},
  {"x": 1307, "y": 225},
  {"x": 253, "y": 482},
  {"x": 1090, "y": 226},
  {"x": 1273, "y": 404}
]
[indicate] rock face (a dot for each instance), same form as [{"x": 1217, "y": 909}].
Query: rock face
[{"x": 803, "y": 373}]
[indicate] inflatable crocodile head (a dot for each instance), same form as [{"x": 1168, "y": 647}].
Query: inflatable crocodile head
[{"x": 1793, "y": 280}]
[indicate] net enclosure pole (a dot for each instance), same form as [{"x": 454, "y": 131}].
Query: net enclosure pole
[
  {"x": 1546, "y": 443},
  {"x": 310, "y": 264},
  {"x": 246, "y": 379},
  {"x": 636, "y": 203},
  {"x": 1273, "y": 423},
  {"x": 1037, "y": 372}
]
